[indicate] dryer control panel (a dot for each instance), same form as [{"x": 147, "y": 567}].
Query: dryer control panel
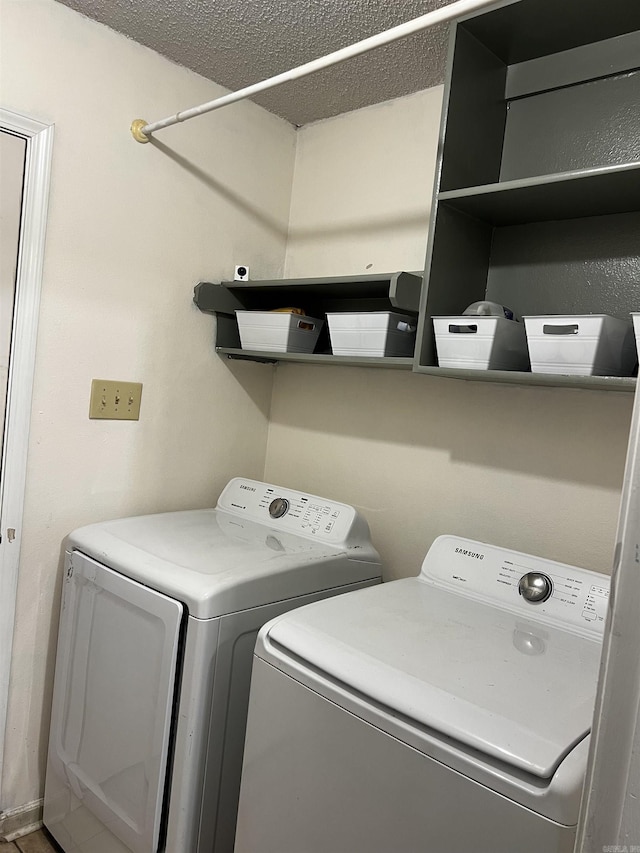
[
  {"x": 531, "y": 586},
  {"x": 296, "y": 512}
]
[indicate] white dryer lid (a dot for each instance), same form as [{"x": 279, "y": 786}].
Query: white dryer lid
[
  {"x": 507, "y": 686},
  {"x": 217, "y": 563}
]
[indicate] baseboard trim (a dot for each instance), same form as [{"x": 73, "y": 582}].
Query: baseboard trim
[{"x": 14, "y": 823}]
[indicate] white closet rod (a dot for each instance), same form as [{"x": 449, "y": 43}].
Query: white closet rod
[{"x": 142, "y": 131}]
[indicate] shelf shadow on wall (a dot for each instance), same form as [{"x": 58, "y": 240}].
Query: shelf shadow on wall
[{"x": 564, "y": 435}]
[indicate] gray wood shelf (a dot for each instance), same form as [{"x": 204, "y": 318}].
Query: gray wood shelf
[
  {"x": 514, "y": 377},
  {"x": 316, "y": 358},
  {"x": 536, "y": 203},
  {"x": 568, "y": 195},
  {"x": 381, "y": 291},
  {"x": 397, "y": 291}
]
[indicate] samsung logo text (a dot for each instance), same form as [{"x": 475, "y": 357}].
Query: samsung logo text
[{"x": 466, "y": 553}]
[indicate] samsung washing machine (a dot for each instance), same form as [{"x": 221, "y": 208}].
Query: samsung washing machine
[
  {"x": 159, "y": 620},
  {"x": 440, "y": 714}
]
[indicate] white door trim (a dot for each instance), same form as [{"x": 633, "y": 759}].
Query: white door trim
[{"x": 39, "y": 139}]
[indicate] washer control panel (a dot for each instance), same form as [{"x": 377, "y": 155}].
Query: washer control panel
[
  {"x": 294, "y": 512},
  {"x": 531, "y": 586}
]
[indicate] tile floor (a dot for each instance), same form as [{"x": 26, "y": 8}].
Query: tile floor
[{"x": 35, "y": 842}]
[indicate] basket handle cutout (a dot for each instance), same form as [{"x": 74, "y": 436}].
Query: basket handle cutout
[
  {"x": 463, "y": 330},
  {"x": 571, "y": 329}
]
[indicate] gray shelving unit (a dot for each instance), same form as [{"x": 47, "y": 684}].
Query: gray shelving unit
[
  {"x": 398, "y": 291},
  {"x": 537, "y": 197}
]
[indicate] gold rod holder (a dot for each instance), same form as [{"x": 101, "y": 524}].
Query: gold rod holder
[{"x": 136, "y": 130}]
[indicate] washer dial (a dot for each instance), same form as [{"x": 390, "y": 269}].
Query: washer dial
[
  {"x": 535, "y": 587},
  {"x": 278, "y": 507}
]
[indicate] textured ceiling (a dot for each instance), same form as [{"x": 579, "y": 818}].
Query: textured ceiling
[{"x": 238, "y": 42}]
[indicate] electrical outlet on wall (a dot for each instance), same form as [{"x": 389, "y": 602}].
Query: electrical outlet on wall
[{"x": 115, "y": 400}]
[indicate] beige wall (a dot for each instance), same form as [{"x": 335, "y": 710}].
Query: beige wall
[
  {"x": 362, "y": 189},
  {"x": 535, "y": 469},
  {"x": 131, "y": 229}
]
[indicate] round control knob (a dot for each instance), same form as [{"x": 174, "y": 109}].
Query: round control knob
[
  {"x": 278, "y": 507},
  {"x": 535, "y": 587}
]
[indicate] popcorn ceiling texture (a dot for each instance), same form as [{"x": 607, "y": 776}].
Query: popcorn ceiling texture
[{"x": 236, "y": 43}]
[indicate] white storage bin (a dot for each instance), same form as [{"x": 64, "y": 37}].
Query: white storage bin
[
  {"x": 272, "y": 331},
  {"x": 581, "y": 344},
  {"x": 375, "y": 333},
  {"x": 481, "y": 343}
]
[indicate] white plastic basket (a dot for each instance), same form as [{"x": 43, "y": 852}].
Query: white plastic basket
[
  {"x": 580, "y": 344},
  {"x": 372, "y": 333},
  {"x": 271, "y": 331},
  {"x": 480, "y": 343}
]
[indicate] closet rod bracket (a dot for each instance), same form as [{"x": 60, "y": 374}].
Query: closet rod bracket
[{"x": 136, "y": 130}]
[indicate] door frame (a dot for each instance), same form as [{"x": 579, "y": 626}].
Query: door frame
[{"x": 33, "y": 218}]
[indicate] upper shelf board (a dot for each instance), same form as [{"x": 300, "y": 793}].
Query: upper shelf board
[
  {"x": 401, "y": 290},
  {"x": 567, "y": 195},
  {"x": 514, "y": 377},
  {"x": 318, "y": 358}
]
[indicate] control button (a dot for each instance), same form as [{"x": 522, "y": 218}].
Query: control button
[
  {"x": 278, "y": 507},
  {"x": 535, "y": 587}
]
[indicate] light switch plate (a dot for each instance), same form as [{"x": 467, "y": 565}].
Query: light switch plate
[{"x": 114, "y": 400}]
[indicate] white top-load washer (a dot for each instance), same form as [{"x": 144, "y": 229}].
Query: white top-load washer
[
  {"x": 445, "y": 713},
  {"x": 158, "y": 624}
]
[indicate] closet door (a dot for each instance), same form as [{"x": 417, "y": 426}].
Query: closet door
[{"x": 112, "y": 706}]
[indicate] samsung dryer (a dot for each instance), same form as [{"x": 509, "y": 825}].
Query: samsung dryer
[
  {"x": 158, "y": 624},
  {"x": 439, "y": 714}
]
